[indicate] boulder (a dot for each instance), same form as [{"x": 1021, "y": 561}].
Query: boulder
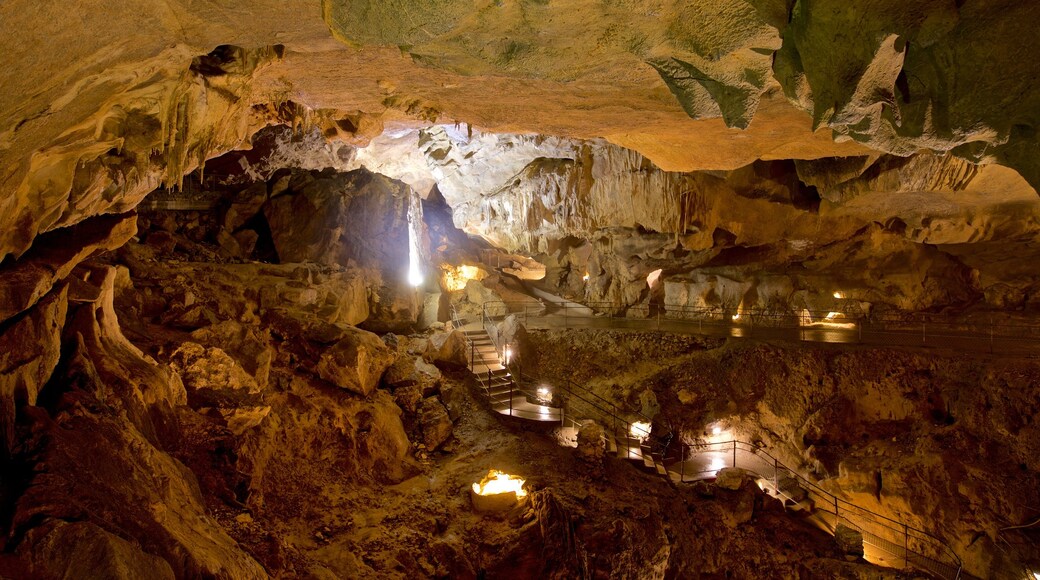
[
  {"x": 592, "y": 446},
  {"x": 434, "y": 422},
  {"x": 101, "y": 469},
  {"x": 849, "y": 541},
  {"x": 211, "y": 369},
  {"x": 431, "y": 310},
  {"x": 509, "y": 332},
  {"x": 241, "y": 419},
  {"x": 355, "y": 362},
  {"x": 737, "y": 495},
  {"x": 409, "y": 370},
  {"x": 447, "y": 349},
  {"x": 59, "y": 549},
  {"x": 408, "y": 398},
  {"x": 249, "y": 346},
  {"x": 479, "y": 295},
  {"x": 731, "y": 478},
  {"x": 454, "y": 398}
]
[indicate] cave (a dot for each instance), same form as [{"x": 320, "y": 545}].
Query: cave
[{"x": 520, "y": 289}]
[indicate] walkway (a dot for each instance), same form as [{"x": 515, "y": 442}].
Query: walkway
[
  {"x": 1007, "y": 340},
  {"x": 886, "y": 542}
]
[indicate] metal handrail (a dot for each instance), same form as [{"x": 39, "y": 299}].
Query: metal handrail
[
  {"x": 928, "y": 326},
  {"x": 611, "y": 414},
  {"x": 841, "y": 507},
  {"x": 892, "y": 526}
]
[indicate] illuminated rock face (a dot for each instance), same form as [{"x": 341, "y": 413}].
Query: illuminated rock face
[
  {"x": 750, "y": 151},
  {"x": 673, "y": 81}
]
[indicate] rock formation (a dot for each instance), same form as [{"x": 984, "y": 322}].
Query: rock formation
[{"x": 234, "y": 241}]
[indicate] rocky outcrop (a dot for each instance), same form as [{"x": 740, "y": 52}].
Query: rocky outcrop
[
  {"x": 905, "y": 434},
  {"x": 146, "y": 496},
  {"x": 24, "y": 374},
  {"x": 30, "y": 277},
  {"x": 355, "y": 361},
  {"x": 106, "y": 400},
  {"x": 80, "y": 549}
]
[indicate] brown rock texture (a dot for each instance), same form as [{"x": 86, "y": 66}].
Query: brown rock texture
[
  {"x": 907, "y": 434},
  {"x": 672, "y": 81}
]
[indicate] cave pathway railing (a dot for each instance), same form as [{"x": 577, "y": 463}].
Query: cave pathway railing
[
  {"x": 914, "y": 547},
  {"x": 834, "y": 326}
]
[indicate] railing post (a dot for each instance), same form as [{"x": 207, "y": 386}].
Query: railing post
[
  {"x": 836, "y": 518},
  {"x": 734, "y": 453},
  {"x": 776, "y": 478},
  {"x": 906, "y": 547},
  {"x": 682, "y": 463},
  {"x": 924, "y": 334}
]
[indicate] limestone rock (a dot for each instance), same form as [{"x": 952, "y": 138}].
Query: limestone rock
[
  {"x": 409, "y": 370},
  {"x": 408, "y": 398},
  {"x": 356, "y": 361},
  {"x": 30, "y": 277},
  {"x": 454, "y": 399},
  {"x": 81, "y": 549},
  {"x": 332, "y": 435},
  {"x": 241, "y": 419},
  {"x": 737, "y": 495},
  {"x": 592, "y": 447},
  {"x": 731, "y": 478},
  {"x": 434, "y": 422},
  {"x": 144, "y": 496},
  {"x": 110, "y": 366},
  {"x": 357, "y": 217},
  {"x": 210, "y": 369},
  {"x": 478, "y": 295},
  {"x": 29, "y": 352},
  {"x": 849, "y": 541},
  {"x": 447, "y": 349},
  {"x": 250, "y": 347}
]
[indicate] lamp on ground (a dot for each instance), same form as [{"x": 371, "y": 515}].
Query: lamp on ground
[{"x": 497, "y": 492}]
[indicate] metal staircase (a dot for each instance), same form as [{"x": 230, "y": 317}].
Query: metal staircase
[{"x": 498, "y": 383}]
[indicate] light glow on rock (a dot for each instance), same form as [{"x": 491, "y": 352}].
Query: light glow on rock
[
  {"x": 653, "y": 277},
  {"x": 544, "y": 394},
  {"x": 585, "y": 278},
  {"x": 716, "y": 464},
  {"x": 832, "y": 320},
  {"x": 456, "y": 277},
  {"x": 498, "y": 482},
  {"x": 639, "y": 430}
]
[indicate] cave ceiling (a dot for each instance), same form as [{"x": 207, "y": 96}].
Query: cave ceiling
[{"x": 104, "y": 102}]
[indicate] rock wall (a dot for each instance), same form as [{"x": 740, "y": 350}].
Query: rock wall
[{"x": 80, "y": 141}]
